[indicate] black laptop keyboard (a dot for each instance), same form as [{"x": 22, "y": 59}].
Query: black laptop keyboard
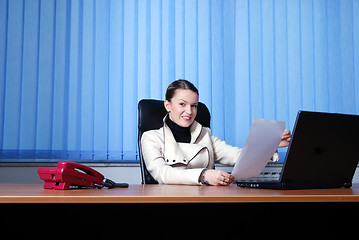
[{"x": 263, "y": 177}]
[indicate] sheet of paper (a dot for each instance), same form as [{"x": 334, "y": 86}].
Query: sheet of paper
[{"x": 262, "y": 142}]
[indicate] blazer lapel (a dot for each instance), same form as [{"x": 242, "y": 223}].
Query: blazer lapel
[
  {"x": 181, "y": 152},
  {"x": 173, "y": 153}
]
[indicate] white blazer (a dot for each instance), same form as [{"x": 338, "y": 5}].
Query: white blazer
[{"x": 170, "y": 162}]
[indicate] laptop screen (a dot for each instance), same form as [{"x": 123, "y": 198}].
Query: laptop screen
[{"x": 324, "y": 147}]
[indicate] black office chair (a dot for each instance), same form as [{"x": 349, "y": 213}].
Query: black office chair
[{"x": 150, "y": 116}]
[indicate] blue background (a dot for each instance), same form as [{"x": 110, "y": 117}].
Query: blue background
[{"x": 72, "y": 72}]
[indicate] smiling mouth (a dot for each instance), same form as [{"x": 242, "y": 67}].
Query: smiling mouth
[{"x": 187, "y": 118}]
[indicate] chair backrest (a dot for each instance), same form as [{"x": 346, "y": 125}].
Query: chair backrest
[{"x": 150, "y": 117}]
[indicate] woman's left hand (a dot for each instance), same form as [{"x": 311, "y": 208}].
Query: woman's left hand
[
  {"x": 286, "y": 136},
  {"x": 218, "y": 177}
]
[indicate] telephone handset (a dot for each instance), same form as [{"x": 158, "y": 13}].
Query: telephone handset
[{"x": 74, "y": 174}]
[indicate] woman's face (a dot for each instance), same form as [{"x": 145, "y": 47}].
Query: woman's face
[{"x": 182, "y": 109}]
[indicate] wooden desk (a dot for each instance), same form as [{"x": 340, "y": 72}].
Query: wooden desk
[
  {"x": 34, "y": 193},
  {"x": 171, "y": 210}
]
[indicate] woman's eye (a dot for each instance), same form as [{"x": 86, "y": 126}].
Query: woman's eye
[
  {"x": 194, "y": 106},
  {"x": 182, "y": 104}
]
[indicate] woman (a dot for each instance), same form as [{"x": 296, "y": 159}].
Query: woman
[{"x": 184, "y": 152}]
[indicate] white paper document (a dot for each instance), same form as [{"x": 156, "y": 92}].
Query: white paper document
[{"x": 262, "y": 142}]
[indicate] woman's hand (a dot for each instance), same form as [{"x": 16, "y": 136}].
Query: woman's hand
[
  {"x": 218, "y": 177},
  {"x": 285, "y": 138}
]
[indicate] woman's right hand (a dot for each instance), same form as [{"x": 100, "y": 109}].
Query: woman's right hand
[{"x": 218, "y": 177}]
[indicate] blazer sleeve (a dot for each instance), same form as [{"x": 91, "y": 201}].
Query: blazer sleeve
[
  {"x": 223, "y": 152},
  {"x": 153, "y": 155}
]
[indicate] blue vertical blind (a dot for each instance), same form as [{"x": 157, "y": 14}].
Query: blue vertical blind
[{"x": 73, "y": 71}]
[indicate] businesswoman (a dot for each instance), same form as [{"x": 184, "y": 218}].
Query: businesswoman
[{"x": 184, "y": 152}]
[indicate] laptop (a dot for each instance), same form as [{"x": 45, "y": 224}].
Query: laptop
[{"x": 323, "y": 153}]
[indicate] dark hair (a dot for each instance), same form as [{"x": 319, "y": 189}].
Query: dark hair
[{"x": 179, "y": 84}]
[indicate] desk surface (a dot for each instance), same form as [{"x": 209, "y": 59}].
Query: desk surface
[{"x": 34, "y": 193}]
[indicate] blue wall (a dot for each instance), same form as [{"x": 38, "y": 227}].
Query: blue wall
[{"x": 72, "y": 72}]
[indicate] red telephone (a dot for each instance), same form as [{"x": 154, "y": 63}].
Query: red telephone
[{"x": 66, "y": 175}]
